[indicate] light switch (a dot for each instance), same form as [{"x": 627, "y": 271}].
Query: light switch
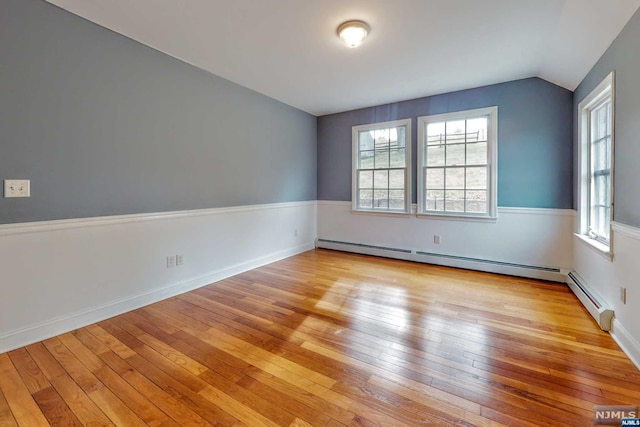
[{"x": 17, "y": 188}]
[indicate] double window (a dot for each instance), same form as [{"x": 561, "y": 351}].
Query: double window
[
  {"x": 457, "y": 163},
  {"x": 596, "y": 162},
  {"x": 381, "y": 159}
]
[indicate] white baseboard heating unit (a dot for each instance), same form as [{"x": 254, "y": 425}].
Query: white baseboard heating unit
[
  {"x": 591, "y": 300},
  {"x": 490, "y": 266}
]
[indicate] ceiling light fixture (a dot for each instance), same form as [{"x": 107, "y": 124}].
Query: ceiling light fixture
[{"x": 353, "y": 33}]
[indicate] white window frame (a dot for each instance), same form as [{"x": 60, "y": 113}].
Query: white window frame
[
  {"x": 355, "y": 130},
  {"x": 605, "y": 90},
  {"x": 492, "y": 163}
]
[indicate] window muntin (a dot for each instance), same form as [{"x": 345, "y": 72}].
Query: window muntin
[
  {"x": 596, "y": 188},
  {"x": 457, "y": 163},
  {"x": 600, "y": 170},
  {"x": 382, "y": 157}
]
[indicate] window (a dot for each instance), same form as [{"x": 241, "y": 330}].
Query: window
[
  {"x": 457, "y": 163},
  {"x": 381, "y": 159},
  {"x": 595, "y": 115}
]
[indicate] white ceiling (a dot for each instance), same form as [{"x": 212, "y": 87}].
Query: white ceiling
[{"x": 288, "y": 49}]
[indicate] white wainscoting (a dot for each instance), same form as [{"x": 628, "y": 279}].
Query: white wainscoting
[
  {"x": 539, "y": 238},
  {"x": 56, "y": 276},
  {"x": 606, "y": 276}
]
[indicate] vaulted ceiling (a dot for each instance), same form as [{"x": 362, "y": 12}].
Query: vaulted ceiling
[{"x": 288, "y": 49}]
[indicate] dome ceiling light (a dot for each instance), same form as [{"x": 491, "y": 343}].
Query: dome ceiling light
[{"x": 353, "y": 33}]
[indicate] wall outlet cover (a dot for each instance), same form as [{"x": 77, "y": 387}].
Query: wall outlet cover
[{"x": 17, "y": 188}]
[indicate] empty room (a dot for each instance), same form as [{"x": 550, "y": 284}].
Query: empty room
[{"x": 319, "y": 213}]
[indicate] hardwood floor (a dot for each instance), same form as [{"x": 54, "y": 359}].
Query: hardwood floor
[{"x": 330, "y": 339}]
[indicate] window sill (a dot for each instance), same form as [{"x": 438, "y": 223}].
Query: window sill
[
  {"x": 380, "y": 212},
  {"x": 457, "y": 217},
  {"x": 598, "y": 247}
]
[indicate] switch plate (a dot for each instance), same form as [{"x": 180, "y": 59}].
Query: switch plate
[
  {"x": 17, "y": 188},
  {"x": 623, "y": 295},
  {"x": 436, "y": 239}
]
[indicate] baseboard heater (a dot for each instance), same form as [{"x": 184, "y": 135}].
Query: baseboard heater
[
  {"x": 513, "y": 269},
  {"x": 591, "y": 301}
]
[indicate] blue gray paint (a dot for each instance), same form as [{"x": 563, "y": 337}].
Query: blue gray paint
[
  {"x": 103, "y": 125},
  {"x": 534, "y": 140},
  {"x": 623, "y": 57}
]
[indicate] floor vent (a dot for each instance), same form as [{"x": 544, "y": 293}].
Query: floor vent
[{"x": 591, "y": 300}]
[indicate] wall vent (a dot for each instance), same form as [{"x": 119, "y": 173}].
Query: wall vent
[{"x": 591, "y": 300}]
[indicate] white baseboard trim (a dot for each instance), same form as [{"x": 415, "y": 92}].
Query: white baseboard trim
[
  {"x": 38, "y": 332},
  {"x": 627, "y": 343},
  {"x": 488, "y": 266}
]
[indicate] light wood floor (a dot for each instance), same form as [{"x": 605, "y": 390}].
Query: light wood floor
[{"x": 330, "y": 339}]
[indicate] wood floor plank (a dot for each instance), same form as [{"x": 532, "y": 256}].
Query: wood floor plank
[
  {"x": 110, "y": 341},
  {"x": 330, "y": 339},
  {"x": 140, "y": 405},
  {"x": 54, "y": 408},
  {"x": 154, "y": 393},
  {"x": 24, "y": 409},
  {"x": 6, "y": 417},
  {"x": 31, "y": 374},
  {"x": 79, "y": 402},
  {"x": 181, "y": 392},
  {"x": 45, "y": 361},
  {"x": 115, "y": 409}
]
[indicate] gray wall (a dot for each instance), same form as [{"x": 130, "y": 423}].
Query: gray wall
[
  {"x": 623, "y": 56},
  {"x": 534, "y": 140},
  {"x": 103, "y": 125}
]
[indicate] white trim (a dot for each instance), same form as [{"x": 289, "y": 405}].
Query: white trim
[
  {"x": 537, "y": 211},
  {"x": 456, "y": 217},
  {"x": 596, "y": 246},
  {"x": 65, "y": 224},
  {"x": 492, "y": 159},
  {"x": 501, "y": 210},
  {"x": 626, "y": 230},
  {"x": 43, "y": 330},
  {"x": 335, "y": 203},
  {"x": 380, "y": 212},
  {"x": 355, "y": 149},
  {"x": 605, "y": 88},
  {"x": 627, "y": 343}
]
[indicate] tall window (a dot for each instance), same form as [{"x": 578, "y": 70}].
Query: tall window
[
  {"x": 596, "y": 148},
  {"x": 381, "y": 159},
  {"x": 457, "y": 163}
]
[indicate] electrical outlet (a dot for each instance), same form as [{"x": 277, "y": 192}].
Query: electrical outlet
[
  {"x": 436, "y": 239},
  {"x": 171, "y": 261},
  {"x": 17, "y": 188},
  {"x": 179, "y": 259},
  {"x": 623, "y": 295}
]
